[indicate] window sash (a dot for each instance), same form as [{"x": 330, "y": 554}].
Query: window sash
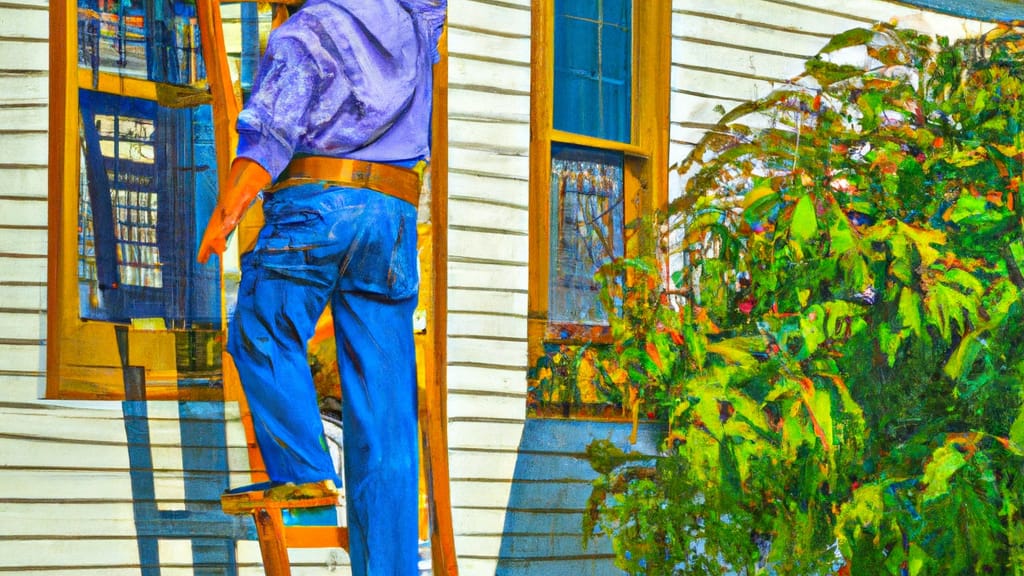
[
  {"x": 593, "y": 68},
  {"x": 587, "y": 216}
]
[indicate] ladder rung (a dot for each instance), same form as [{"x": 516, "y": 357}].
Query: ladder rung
[
  {"x": 316, "y": 536},
  {"x": 232, "y": 504}
]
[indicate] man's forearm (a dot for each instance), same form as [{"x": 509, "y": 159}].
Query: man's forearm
[{"x": 245, "y": 181}]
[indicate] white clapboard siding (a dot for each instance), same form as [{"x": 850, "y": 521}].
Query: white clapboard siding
[
  {"x": 495, "y": 135},
  {"x": 503, "y": 105},
  {"x": 462, "y": 405},
  {"x": 19, "y": 88},
  {"x": 490, "y": 244},
  {"x": 500, "y": 325},
  {"x": 488, "y": 218},
  {"x": 482, "y": 214},
  {"x": 67, "y": 504},
  {"x": 28, "y": 117},
  {"x": 497, "y": 190},
  {"x": 493, "y": 17},
  {"x": 22, "y": 22},
  {"x": 470, "y": 493},
  {"x": 464, "y": 301},
  {"x": 22, "y": 324},
  {"x": 22, "y": 147},
  {"x": 21, "y": 181},
  {"x": 26, "y": 241},
  {"x": 23, "y": 297},
  {"x": 26, "y": 213},
  {"x": 24, "y": 53},
  {"x": 485, "y": 380},
  {"x": 728, "y": 52},
  {"x": 480, "y": 464},
  {"x": 488, "y": 352}
]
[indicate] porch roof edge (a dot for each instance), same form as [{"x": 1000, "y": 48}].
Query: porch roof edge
[{"x": 987, "y": 10}]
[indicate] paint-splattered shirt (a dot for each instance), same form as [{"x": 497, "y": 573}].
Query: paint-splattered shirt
[{"x": 347, "y": 79}]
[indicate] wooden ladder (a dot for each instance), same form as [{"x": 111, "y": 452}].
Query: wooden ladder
[{"x": 275, "y": 537}]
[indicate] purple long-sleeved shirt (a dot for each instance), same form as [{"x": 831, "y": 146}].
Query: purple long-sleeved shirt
[{"x": 347, "y": 79}]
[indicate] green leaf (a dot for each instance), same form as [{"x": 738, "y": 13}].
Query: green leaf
[
  {"x": 804, "y": 224},
  {"x": 980, "y": 99},
  {"x": 964, "y": 279},
  {"x": 910, "y": 310},
  {"x": 889, "y": 342},
  {"x": 827, "y": 73},
  {"x": 731, "y": 479},
  {"x": 917, "y": 560},
  {"x": 605, "y": 456},
  {"x": 737, "y": 350},
  {"x": 866, "y": 509},
  {"x": 820, "y": 411},
  {"x": 854, "y": 37},
  {"x": 964, "y": 356},
  {"x": 696, "y": 344},
  {"x": 840, "y": 233},
  {"x": 677, "y": 278},
  {"x": 911, "y": 187},
  {"x": 925, "y": 240},
  {"x": 838, "y": 312},
  {"x": 1017, "y": 430},
  {"x": 946, "y": 461},
  {"x": 967, "y": 206},
  {"x": 812, "y": 330}
]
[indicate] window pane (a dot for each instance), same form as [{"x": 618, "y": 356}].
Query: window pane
[
  {"x": 145, "y": 177},
  {"x": 589, "y": 9},
  {"x": 593, "y": 67},
  {"x": 587, "y": 214},
  {"x": 154, "y": 40}
]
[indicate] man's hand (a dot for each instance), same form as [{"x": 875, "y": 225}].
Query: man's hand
[
  {"x": 246, "y": 180},
  {"x": 215, "y": 238}
]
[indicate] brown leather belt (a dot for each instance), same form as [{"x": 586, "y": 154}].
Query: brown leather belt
[{"x": 403, "y": 183}]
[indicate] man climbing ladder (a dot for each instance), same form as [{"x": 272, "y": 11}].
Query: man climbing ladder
[{"x": 333, "y": 133}]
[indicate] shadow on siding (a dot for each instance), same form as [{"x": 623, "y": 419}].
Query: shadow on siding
[{"x": 552, "y": 481}]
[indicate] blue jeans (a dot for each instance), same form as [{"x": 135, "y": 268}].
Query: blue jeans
[{"x": 355, "y": 249}]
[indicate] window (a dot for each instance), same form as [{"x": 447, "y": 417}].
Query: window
[
  {"x": 587, "y": 212},
  {"x": 593, "y": 68},
  {"x": 133, "y": 178},
  {"x": 598, "y": 153}
]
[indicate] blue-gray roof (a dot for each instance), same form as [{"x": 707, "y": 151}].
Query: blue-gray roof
[{"x": 990, "y": 10}]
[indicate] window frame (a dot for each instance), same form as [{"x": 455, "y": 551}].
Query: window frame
[
  {"x": 645, "y": 166},
  {"x": 100, "y": 360}
]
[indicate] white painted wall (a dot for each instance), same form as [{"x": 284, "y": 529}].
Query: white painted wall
[
  {"x": 730, "y": 51},
  {"x": 488, "y": 214}
]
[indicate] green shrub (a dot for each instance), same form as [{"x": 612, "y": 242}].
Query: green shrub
[{"x": 843, "y": 379}]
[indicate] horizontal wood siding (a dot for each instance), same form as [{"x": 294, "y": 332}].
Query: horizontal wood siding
[
  {"x": 488, "y": 219},
  {"x": 728, "y": 52},
  {"x": 24, "y": 54},
  {"x": 543, "y": 531}
]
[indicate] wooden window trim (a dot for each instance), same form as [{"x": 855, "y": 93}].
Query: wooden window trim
[
  {"x": 646, "y": 156},
  {"x": 83, "y": 358}
]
